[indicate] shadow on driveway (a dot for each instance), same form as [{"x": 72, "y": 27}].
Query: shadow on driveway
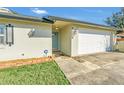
[{"x": 95, "y": 69}]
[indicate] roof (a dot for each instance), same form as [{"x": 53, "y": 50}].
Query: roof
[
  {"x": 120, "y": 34},
  {"x": 23, "y": 17},
  {"x": 54, "y": 18},
  {"x": 47, "y": 19}
]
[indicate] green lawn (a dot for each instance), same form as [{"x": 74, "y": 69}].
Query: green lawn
[{"x": 47, "y": 73}]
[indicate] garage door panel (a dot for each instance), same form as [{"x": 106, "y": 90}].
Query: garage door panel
[{"x": 92, "y": 42}]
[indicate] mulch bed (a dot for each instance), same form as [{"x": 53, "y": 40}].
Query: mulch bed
[
  {"x": 20, "y": 62},
  {"x": 120, "y": 39}
]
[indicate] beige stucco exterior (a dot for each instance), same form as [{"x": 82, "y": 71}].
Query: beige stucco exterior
[
  {"x": 65, "y": 40},
  {"x": 33, "y": 47},
  {"x": 68, "y": 39},
  {"x": 120, "y": 46},
  {"x": 74, "y": 40},
  {"x": 25, "y": 46}
]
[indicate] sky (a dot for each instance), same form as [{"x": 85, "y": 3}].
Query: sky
[{"x": 89, "y": 14}]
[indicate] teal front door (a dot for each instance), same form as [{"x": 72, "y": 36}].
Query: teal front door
[{"x": 55, "y": 40}]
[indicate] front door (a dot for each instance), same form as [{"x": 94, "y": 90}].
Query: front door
[{"x": 55, "y": 40}]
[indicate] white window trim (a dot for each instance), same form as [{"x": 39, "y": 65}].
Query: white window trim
[{"x": 3, "y": 35}]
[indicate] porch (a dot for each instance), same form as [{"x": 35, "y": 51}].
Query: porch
[{"x": 61, "y": 38}]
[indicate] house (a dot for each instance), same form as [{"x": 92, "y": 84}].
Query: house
[
  {"x": 120, "y": 36},
  {"x": 23, "y": 37},
  {"x": 120, "y": 42}
]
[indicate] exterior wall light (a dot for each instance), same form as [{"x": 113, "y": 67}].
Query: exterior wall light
[
  {"x": 74, "y": 32},
  {"x": 31, "y": 33}
]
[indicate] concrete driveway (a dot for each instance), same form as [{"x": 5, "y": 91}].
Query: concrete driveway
[{"x": 95, "y": 69}]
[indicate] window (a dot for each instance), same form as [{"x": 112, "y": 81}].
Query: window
[
  {"x": 1, "y": 30},
  {"x": 2, "y": 35},
  {"x": 6, "y": 35}
]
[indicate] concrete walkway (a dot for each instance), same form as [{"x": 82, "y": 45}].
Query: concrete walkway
[
  {"x": 73, "y": 68},
  {"x": 93, "y": 69}
]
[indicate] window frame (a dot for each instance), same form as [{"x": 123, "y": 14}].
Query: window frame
[{"x": 3, "y": 35}]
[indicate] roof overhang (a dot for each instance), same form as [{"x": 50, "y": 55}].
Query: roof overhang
[
  {"x": 21, "y": 17},
  {"x": 57, "y": 21},
  {"x": 64, "y": 21},
  {"x": 121, "y": 34}
]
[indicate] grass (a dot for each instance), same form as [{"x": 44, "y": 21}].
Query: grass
[{"x": 47, "y": 73}]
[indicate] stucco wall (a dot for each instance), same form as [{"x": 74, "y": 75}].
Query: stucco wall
[
  {"x": 69, "y": 40},
  {"x": 120, "y": 46},
  {"x": 74, "y": 41},
  {"x": 65, "y": 40},
  {"x": 25, "y": 46}
]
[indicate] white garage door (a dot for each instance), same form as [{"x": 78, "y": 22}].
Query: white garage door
[{"x": 93, "y": 41}]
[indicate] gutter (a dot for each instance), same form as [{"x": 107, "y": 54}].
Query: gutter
[{"x": 28, "y": 18}]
